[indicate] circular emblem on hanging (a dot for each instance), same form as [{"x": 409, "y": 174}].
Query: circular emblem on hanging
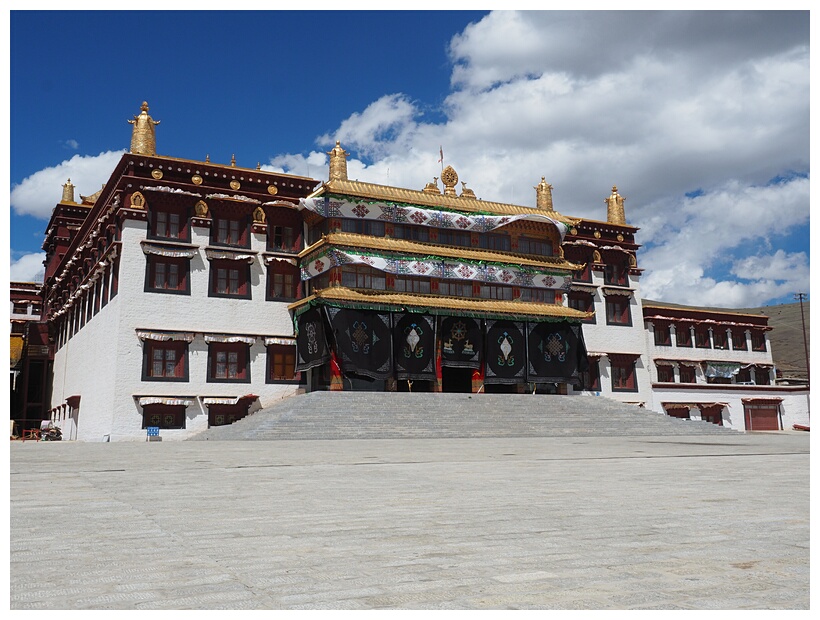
[
  {"x": 196, "y": 179},
  {"x": 272, "y": 189},
  {"x": 620, "y": 237},
  {"x": 235, "y": 185},
  {"x": 157, "y": 174},
  {"x": 573, "y": 231},
  {"x": 597, "y": 234}
]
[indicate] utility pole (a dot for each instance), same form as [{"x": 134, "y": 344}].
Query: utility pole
[{"x": 800, "y": 297}]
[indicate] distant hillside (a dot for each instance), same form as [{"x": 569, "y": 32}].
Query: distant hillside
[{"x": 786, "y": 336}]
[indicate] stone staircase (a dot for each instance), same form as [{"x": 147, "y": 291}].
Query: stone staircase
[{"x": 373, "y": 415}]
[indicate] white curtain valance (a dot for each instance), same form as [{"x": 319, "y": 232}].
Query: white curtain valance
[
  {"x": 270, "y": 259},
  {"x": 164, "y": 400},
  {"x": 280, "y": 340},
  {"x": 221, "y": 401},
  {"x": 625, "y": 292},
  {"x": 209, "y": 338},
  {"x": 665, "y": 363},
  {"x": 165, "y": 336},
  {"x": 159, "y": 250},
  {"x": 223, "y": 255}
]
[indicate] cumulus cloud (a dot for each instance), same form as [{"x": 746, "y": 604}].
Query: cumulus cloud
[
  {"x": 28, "y": 268},
  {"x": 37, "y": 194},
  {"x": 663, "y": 104},
  {"x": 71, "y": 144}
]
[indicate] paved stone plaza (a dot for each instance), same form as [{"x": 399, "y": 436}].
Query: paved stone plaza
[{"x": 716, "y": 522}]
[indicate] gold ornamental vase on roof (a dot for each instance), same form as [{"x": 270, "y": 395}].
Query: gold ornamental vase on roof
[{"x": 143, "y": 138}]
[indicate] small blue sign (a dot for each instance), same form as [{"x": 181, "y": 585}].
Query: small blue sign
[{"x": 153, "y": 431}]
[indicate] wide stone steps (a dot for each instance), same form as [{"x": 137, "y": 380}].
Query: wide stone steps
[{"x": 372, "y": 415}]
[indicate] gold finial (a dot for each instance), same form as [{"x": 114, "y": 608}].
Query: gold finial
[
  {"x": 259, "y": 165},
  {"x": 543, "y": 195},
  {"x": 233, "y": 161},
  {"x": 338, "y": 163},
  {"x": 207, "y": 158},
  {"x": 143, "y": 138},
  {"x": 449, "y": 178},
  {"x": 615, "y": 207},
  {"x": 432, "y": 187},
  {"x": 68, "y": 192},
  {"x": 466, "y": 192}
]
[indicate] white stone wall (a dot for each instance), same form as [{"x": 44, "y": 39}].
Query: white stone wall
[
  {"x": 86, "y": 366},
  {"x": 794, "y": 407},
  {"x": 603, "y": 338},
  {"x": 108, "y": 387}
]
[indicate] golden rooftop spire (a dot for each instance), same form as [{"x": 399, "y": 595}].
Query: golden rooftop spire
[
  {"x": 68, "y": 192},
  {"x": 615, "y": 207},
  {"x": 143, "y": 138},
  {"x": 233, "y": 161},
  {"x": 449, "y": 178},
  {"x": 338, "y": 163},
  {"x": 543, "y": 195}
]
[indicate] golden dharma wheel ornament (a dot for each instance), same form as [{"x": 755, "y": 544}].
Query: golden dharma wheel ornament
[
  {"x": 597, "y": 234},
  {"x": 196, "y": 179},
  {"x": 620, "y": 237},
  {"x": 272, "y": 190},
  {"x": 157, "y": 174},
  {"x": 573, "y": 231},
  {"x": 235, "y": 185}
]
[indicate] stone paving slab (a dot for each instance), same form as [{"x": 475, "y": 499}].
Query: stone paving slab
[{"x": 513, "y": 523}]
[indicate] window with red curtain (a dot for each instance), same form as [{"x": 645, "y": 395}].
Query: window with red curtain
[
  {"x": 231, "y": 231},
  {"x": 622, "y": 370},
  {"x": 687, "y": 374},
  {"x": 666, "y": 374},
  {"x": 228, "y": 362},
  {"x": 283, "y": 280},
  {"x": 617, "y": 310},
  {"x": 166, "y": 275},
  {"x": 739, "y": 340},
  {"x": 663, "y": 335},
  {"x": 169, "y": 223},
  {"x": 165, "y": 360},
  {"x": 230, "y": 278}
]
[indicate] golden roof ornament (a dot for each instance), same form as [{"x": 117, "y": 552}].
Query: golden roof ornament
[
  {"x": 615, "y": 207},
  {"x": 233, "y": 160},
  {"x": 449, "y": 178},
  {"x": 68, "y": 192},
  {"x": 207, "y": 158},
  {"x": 92, "y": 199},
  {"x": 432, "y": 187},
  {"x": 338, "y": 163},
  {"x": 143, "y": 138},
  {"x": 543, "y": 195},
  {"x": 466, "y": 192}
]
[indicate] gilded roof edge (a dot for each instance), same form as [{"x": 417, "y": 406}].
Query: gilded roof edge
[
  {"x": 373, "y": 191},
  {"x": 488, "y": 306}
]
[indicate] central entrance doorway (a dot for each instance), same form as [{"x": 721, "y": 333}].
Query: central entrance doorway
[{"x": 457, "y": 380}]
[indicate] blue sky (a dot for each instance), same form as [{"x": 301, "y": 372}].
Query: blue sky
[{"x": 701, "y": 119}]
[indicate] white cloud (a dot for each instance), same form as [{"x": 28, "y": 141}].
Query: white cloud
[
  {"x": 659, "y": 103},
  {"x": 37, "y": 194},
  {"x": 28, "y": 268},
  {"x": 71, "y": 144}
]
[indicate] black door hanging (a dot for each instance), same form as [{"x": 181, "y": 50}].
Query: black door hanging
[
  {"x": 311, "y": 342},
  {"x": 414, "y": 343},
  {"x": 556, "y": 353},
  {"x": 505, "y": 352},
  {"x": 461, "y": 342},
  {"x": 363, "y": 341}
]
